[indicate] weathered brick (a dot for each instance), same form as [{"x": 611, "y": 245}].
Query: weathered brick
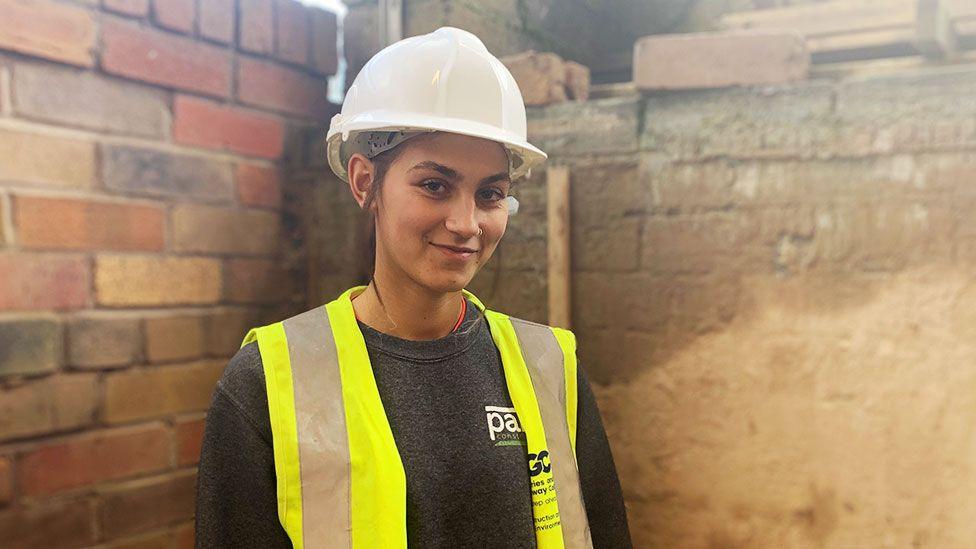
[
  {"x": 217, "y": 20},
  {"x": 225, "y": 330},
  {"x": 683, "y": 186},
  {"x": 541, "y": 77},
  {"x": 29, "y": 281},
  {"x": 148, "y": 280},
  {"x": 88, "y": 225},
  {"x": 137, "y": 8},
  {"x": 26, "y": 158},
  {"x": 213, "y": 126},
  {"x": 30, "y": 346},
  {"x": 611, "y": 247},
  {"x": 292, "y": 30},
  {"x": 788, "y": 122},
  {"x": 601, "y": 125},
  {"x": 719, "y": 59},
  {"x": 258, "y": 186},
  {"x": 163, "y": 59},
  {"x": 917, "y": 110},
  {"x": 178, "y": 15},
  {"x": 256, "y": 26},
  {"x": 219, "y": 230},
  {"x": 47, "y": 405},
  {"x": 324, "y": 49},
  {"x": 48, "y": 29},
  {"x": 174, "y": 338},
  {"x": 99, "y": 341},
  {"x": 602, "y": 193},
  {"x": 6, "y": 481},
  {"x": 67, "y": 97},
  {"x": 696, "y": 243},
  {"x": 92, "y": 458},
  {"x": 148, "y": 172},
  {"x": 142, "y": 505},
  {"x": 189, "y": 437},
  {"x": 255, "y": 281},
  {"x": 160, "y": 391},
  {"x": 60, "y": 523},
  {"x": 278, "y": 88}
]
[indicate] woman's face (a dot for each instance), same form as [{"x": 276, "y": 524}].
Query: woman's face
[{"x": 441, "y": 209}]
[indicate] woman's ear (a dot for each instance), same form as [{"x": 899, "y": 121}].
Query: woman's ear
[{"x": 361, "y": 171}]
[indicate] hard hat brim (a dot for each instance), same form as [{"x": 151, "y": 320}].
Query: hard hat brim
[{"x": 341, "y": 132}]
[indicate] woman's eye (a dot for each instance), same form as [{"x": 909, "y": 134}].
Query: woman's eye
[
  {"x": 492, "y": 194},
  {"x": 433, "y": 186}
]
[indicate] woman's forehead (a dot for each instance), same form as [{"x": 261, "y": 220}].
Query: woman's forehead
[{"x": 464, "y": 155}]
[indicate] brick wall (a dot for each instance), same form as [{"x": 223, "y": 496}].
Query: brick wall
[{"x": 146, "y": 160}]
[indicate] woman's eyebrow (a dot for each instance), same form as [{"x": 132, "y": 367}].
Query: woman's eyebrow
[{"x": 453, "y": 174}]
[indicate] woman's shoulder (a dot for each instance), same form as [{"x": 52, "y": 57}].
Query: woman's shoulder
[{"x": 243, "y": 379}]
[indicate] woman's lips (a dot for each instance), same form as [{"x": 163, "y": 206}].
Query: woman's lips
[{"x": 456, "y": 252}]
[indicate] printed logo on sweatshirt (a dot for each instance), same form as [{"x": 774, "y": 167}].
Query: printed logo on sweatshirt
[{"x": 503, "y": 426}]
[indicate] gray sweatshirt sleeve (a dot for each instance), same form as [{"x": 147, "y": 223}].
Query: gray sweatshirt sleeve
[
  {"x": 602, "y": 495},
  {"x": 237, "y": 502}
]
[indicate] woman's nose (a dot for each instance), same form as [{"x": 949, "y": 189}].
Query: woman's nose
[{"x": 462, "y": 218}]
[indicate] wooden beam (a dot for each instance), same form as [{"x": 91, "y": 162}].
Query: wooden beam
[{"x": 560, "y": 306}]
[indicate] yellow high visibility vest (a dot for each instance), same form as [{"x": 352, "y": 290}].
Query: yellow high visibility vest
[{"x": 340, "y": 480}]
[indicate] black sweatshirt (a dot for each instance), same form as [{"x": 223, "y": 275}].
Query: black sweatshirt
[{"x": 464, "y": 489}]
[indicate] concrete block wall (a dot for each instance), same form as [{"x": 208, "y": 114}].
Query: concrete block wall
[{"x": 146, "y": 154}]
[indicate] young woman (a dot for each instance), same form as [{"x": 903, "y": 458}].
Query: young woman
[{"x": 404, "y": 412}]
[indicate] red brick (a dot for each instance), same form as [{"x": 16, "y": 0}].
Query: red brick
[
  {"x": 62, "y": 524},
  {"x": 719, "y": 59},
  {"x": 325, "y": 57},
  {"x": 174, "y": 338},
  {"x": 189, "y": 436},
  {"x": 137, "y": 280},
  {"x": 6, "y": 481},
  {"x": 26, "y": 158},
  {"x": 47, "y": 29},
  {"x": 270, "y": 86},
  {"x": 102, "y": 341},
  {"x": 163, "y": 59},
  {"x": 153, "y": 540},
  {"x": 86, "y": 225},
  {"x": 35, "y": 282},
  {"x": 292, "y": 19},
  {"x": 178, "y": 15},
  {"x": 258, "y": 185},
  {"x": 143, "y": 505},
  {"x": 206, "y": 229},
  {"x": 257, "y": 26},
  {"x": 255, "y": 281},
  {"x": 217, "y": 20},
  {"x": 226, "y": 329},
  {"x": 185, "y": 536},
  {"x": 30, "y": 346},
  {"x": 137, "y": 8},
  {"x": 210, "y": 125},
  {"x": 47, "y": 405},
  {"x": 160, "y": 391},
  {"x": 93, "y": 458}
]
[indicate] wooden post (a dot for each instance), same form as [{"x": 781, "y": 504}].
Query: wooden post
[{"x": 557, "y": 183}]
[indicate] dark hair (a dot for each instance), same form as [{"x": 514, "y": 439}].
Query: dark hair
[{"x": 381, "y": 164}]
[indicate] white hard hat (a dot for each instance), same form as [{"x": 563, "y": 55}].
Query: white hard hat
[{"x": 443, "y": 81}]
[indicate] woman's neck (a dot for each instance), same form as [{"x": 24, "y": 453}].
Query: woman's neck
[{"x": 406, "y": 310}]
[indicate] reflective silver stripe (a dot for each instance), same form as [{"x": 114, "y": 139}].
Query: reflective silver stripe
[
  {"x": 544, "y": 359},
  {"x": 323, "y": 443}
]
